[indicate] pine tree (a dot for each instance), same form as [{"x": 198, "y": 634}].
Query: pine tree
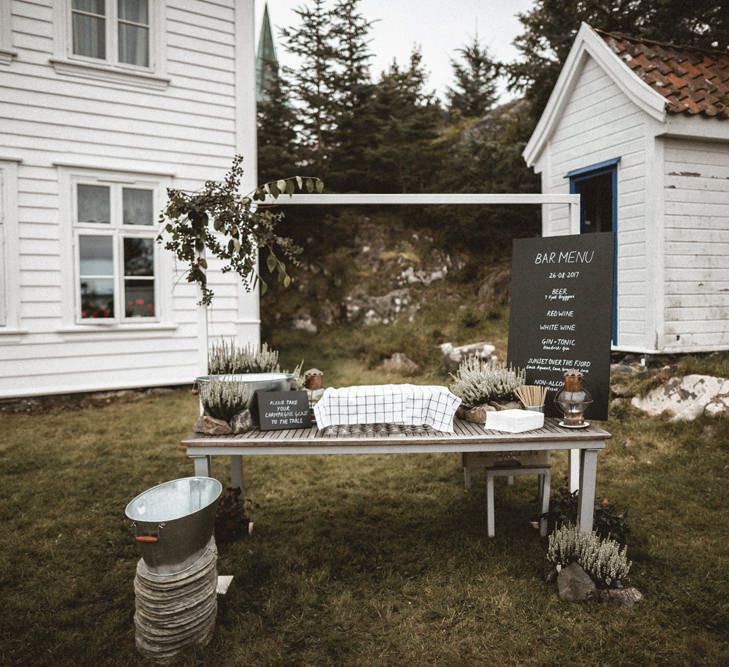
[
  {"x": 405, "y": 153},
  {"x": 312, "y": 84},
  {"x": 276, "y": 131},
  {"x": 354, "y": 94},
  {"x": 474, "y": 92}
]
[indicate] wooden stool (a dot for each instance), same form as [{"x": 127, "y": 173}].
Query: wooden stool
[{"x": 508, "y": 465}]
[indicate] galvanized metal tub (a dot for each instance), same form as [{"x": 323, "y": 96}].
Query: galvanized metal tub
[
  {"x": 256, "y": 382},
  {"x": 173, "y": 522}
]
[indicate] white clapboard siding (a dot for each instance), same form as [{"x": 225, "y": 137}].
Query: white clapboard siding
[
  {"x": 599, "y": 122},
  {"x": 696, "y": 245},
  {"x": 188, "y": 130}
]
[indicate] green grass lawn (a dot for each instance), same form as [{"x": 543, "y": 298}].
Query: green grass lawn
[{"x": 364, "y": 560}]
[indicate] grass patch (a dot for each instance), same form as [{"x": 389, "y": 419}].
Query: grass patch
[{"x": 358, "y": 560}]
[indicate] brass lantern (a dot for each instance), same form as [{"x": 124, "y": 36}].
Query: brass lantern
[{"x": 573, "y": 399}]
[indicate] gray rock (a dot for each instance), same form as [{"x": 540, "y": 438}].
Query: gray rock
[
  {"x": 241, "y": 422},
  {"x": 305, "y": 323},
  {"x": 399, "y": 363},
  {"x": 685, "y": 398},
  {"x": 621, "y": 391},
  {"x": 453, "y": 355},
  {"x": 574, "y": 584},
  {"x": 621, "y": 597},
  {"x": 624, "y": 370},
  {"x": 212, "y": 426},
  {"x": 475, "y": 415}
]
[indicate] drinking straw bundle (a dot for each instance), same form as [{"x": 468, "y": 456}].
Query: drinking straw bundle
[{"x": 531, "y": 395}]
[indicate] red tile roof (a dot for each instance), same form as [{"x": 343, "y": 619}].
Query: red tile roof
[{"x": 693, "y": 81}]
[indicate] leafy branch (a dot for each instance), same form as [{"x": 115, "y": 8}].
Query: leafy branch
[{"x": 241, "y": 227}]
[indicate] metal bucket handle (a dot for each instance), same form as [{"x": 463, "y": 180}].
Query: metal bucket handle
[{"x": 149, "y": 539}]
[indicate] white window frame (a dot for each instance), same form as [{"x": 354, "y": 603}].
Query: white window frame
[
  {"x": 110, "y": 69},
  {"x": 7, "y": 53},
  {"x": 72, "y": 320}
]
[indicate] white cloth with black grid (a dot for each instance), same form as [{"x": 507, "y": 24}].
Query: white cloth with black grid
[{"x": 404, "y": 404}]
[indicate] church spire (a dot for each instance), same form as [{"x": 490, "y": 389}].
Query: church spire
[{"x": 266, "y": 61}]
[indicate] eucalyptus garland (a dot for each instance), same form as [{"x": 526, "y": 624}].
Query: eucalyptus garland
[{"x": 241, "y": 228}]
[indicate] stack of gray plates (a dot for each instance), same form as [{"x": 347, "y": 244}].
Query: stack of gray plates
[{"x": 175, "y": 611}]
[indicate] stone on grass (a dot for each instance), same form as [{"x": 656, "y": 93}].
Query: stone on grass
[
  {"x": 305, "y": 323},
  {"x": 241, "y": 422},
  {"x": 686, "y": 398},
  {"x": 453, "y": 355},
  {"x": 212, "y": 426},
  {"x": 621, "y": 597},
  {"x": 620, "y": 390},
  {"x": 574, "y": 584},
  {"x": 399, "y": 363}
]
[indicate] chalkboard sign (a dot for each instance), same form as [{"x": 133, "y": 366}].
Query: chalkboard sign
[
  {"x": 283, "y": 409},
  {"x": 561, "y": 313}
]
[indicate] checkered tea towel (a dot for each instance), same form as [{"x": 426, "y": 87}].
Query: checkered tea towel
[{"x": 408, "y": 404}]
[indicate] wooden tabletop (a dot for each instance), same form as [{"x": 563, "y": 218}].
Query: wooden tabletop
[{"x": 381, "y": 434}]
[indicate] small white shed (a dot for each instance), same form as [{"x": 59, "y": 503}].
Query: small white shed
[{"x": 640, "y": 130}]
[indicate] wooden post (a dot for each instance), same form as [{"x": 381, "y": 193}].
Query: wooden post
[
  {"x": 236, "y": 474},
  {"x": 586, "y": 498},
  {"x": 574, "y": 470},
  {"x": 201, "y": 465}
]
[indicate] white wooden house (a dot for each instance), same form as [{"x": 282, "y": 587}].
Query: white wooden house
[
  {"x": 641, "y": 131},
  {"x": 104, "y": 104}
]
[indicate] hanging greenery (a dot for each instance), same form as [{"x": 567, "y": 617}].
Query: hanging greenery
[{"x": 241, "y": 228}]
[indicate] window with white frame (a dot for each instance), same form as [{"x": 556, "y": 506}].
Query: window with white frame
[
  {"x": 116, "y": 254},
  {"x": 113, "y": 32}
]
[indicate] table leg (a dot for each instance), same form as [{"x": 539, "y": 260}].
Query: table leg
[
  {"x": 236, "y": 473},
  {"x": 201, "y": 465},
  {"x": 586, "y": 498},
  {"x": 490, "y": 509},
  {"x": 574, "y": 470}
]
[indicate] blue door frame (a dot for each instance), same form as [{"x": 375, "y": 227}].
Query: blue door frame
[{"x": 577, "y": 177}]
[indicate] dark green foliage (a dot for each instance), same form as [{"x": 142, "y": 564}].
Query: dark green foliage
[
  {"x": 609, "y": 521},
  {"x": 312, "y": 83},
  {"x": 352, "y": 135},
  {"x": 276, "y": 131},
  {"x": 405, "y": 149},
  {"x": 242, "y": 231},
  {"x": 474, "y": 92}
]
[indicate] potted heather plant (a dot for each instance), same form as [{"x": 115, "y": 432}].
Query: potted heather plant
[{"x": 485, "y": 384}]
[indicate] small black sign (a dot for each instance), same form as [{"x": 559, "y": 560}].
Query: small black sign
[
  {"x": 279, "y": 410},
  {"x": 561, "y": 313}
]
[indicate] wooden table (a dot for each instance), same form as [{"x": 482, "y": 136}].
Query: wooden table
[{"x": 584, "y": 445}]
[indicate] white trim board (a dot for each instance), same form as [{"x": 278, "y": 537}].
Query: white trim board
[{"x": 588, "y": 44}]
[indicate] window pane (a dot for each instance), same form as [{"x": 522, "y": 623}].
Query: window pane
[
  {"x": 134, "y": 10},
  {"x": 138, "y": 206},
  {"x": 92, "y": 6},
  {"x": 93, "y": 203},
  {"x": 89, "y": 38},
  {"x": 138, "y": 257},
  {"x": 97, "y": 297},
  {"x": 138, "y": 298},
  {"x": 133, "y": 45},
  {"x": 96, "y": 256}
]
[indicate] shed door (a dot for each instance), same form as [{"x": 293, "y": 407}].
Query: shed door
[{"x": 597, "y": 186}]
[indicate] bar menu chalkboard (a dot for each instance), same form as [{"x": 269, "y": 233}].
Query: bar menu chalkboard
[{"x": 561, "y": 313}]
